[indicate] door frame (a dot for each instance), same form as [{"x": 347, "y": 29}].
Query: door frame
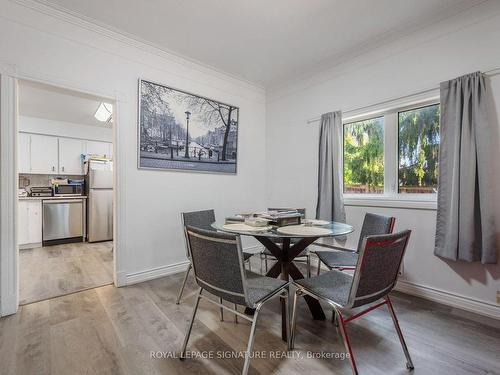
[{"x": 9, "y": 254}]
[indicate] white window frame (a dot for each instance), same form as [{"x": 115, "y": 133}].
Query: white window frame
[{"x": 391, "y": 196}]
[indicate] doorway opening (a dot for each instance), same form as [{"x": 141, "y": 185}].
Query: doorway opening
[{"x": 65, "y": 191}]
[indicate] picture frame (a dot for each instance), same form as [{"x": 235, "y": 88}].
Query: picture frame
[{"x": 170, "y": 118}]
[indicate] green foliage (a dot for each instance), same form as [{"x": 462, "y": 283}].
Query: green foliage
[
  {"x": 418, "y": 152},
  {"x": 419, "y": 147},
  {"x": 364, "y": 155}
]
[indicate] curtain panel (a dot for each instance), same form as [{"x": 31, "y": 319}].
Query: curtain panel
[
  {"x": 330, "y": 204},
  {"x": 466, "y": 227}
]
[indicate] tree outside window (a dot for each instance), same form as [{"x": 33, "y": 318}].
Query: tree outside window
[
  {"x": 364, "y": 156},
  {"x": 419, "y": 149}
]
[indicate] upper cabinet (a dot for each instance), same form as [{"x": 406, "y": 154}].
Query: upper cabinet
[
  {"x": 70, "y": 156},
  {"x": 102, "y": 149},
  {"x": 24, "y": 153},
  {"x": 44, "y": 154}
]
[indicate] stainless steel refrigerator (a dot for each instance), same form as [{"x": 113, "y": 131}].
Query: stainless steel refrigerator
[{"x": 99, "y": 184}]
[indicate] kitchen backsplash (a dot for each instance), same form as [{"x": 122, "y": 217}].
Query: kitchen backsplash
[{"x": 28, "y": 180}]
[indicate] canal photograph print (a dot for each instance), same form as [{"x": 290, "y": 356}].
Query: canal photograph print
[{"x": 183, "y": 131}]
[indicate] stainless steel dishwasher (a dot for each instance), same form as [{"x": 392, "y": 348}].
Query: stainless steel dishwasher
[{"x": 63, "y": 221}]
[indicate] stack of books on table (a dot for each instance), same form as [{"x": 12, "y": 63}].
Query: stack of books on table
[
  {"x": 236, "y": 219},
  {"x": 281, "y": 218}
]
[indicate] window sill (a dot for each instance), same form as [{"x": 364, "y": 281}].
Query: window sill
[{"x": 421, "y": 203}]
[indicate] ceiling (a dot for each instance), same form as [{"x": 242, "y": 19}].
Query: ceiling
[
  {"x": 266, "y": 42},
  {"x": 52, "y": 103}
]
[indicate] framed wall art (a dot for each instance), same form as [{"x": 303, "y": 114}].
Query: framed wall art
[{"x": 183, "y": 131}]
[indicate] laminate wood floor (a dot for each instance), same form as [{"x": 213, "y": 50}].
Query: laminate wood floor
[
  {"x": 111, "y": 330},
  {"x": 52, "y": 271}
]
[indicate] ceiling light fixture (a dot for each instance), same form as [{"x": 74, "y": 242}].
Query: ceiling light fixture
[{"x": 104, "y": 112}]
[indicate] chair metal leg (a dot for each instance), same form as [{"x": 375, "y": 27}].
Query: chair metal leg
[
  {"x": 409, "y": 363},
  {"x": 287, "y": 319},
  {"x": 261, "y": 264},
  {"x": 188, "y": 333},
  {"x": 294, "y": 319},
  {"x": 308, "y": 261},
  {"x": 235, "y": 315},
  {"x": 319, "y": 266},
  {"x": 347, "y": 344},
  {"x": 265, "y": 260},
  {"x": 183, "y": 284},
  {"x": 221, "y": 311},
  {"x": 251, "y": 340}
]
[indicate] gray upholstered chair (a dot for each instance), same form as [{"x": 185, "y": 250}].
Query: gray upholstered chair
[
  {"x": 200, "y": 219},
  {"x": 376, "y": 272},
  {"x": 218, "y": 266},
  {"x": 303, "y": 256},
  {"x": 343, "y": 258}
]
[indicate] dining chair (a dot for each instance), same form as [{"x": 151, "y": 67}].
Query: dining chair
[
  {"x": 303, "y": 256},
  {"x": 201, "y": 219},
  {"x": 343, "y": 258},
  {"x": 217, "y": 261},
  {"x": 376, "y": 273}
]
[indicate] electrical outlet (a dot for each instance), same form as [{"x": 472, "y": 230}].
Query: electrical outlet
[{"x": 498, "y": 297}]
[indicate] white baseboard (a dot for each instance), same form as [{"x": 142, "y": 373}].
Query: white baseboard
[
  {"x": 124, "y": 279},
  {"x": 465, "y": 303},
  {"x": 9, "y": 305},
  {"x": 30, "y": 246},
  {"x": 155, "y": 273},
  {"x": 121, "y": 278}
]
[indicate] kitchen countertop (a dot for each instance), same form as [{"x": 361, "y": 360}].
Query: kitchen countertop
[{"x": 51, "y": 198}]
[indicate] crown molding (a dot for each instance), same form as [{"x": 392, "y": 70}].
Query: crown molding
[
  {"x": 462, "y": 18},
  {"x": 8, "y": 69},
  {"x": 87, "y": 23}
]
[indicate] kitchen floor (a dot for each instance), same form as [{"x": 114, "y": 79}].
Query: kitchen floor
[{"x": 52, "y": 271}]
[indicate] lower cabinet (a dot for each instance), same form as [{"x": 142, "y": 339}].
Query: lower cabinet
[{"x": 29, "y": 222}]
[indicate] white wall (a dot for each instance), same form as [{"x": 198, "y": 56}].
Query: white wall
[
  {"x": 64, "y": 129},
  {"x": 454, "y": 47},
  {"x": 63, "y": 50}
]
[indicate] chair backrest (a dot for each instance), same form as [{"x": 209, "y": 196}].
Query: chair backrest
[
  {"x": 301, "y": 211},
  {"x": 378, "y": 266},
  {"x": 217, "y": 261},
  {"x": 374, "y": 225},
  {"x": 199, "y": 219}
]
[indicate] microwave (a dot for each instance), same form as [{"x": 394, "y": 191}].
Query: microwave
[{"x": 68, "y": 190}]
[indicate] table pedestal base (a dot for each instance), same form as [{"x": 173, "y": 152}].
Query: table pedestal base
[{"x": 286, "y": 269}]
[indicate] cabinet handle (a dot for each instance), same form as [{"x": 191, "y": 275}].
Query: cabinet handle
[
  {"x": 53, "y": 169},
  {"x": 63, "y": 169}
]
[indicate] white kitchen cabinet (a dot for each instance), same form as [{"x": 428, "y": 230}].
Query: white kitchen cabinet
[
  {"x": 24, "y": 153},
  {"x": 44, "y": 154},
  {"x": 70, "y": 151},
  {"x": 98, "y": 148},
  {"x": 29, "y": 222}
]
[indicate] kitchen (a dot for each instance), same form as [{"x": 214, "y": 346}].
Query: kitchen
[{"x": 65, "y": 192}]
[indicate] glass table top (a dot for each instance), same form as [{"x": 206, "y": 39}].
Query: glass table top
[{"x": 332, "y": 229}]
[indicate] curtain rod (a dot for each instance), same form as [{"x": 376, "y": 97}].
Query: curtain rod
[{"x": 489, "y": 73}]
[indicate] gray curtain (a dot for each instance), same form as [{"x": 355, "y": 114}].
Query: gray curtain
[
  {"x": 466, "y": 228},
  {"x": 330, "y": 205}
]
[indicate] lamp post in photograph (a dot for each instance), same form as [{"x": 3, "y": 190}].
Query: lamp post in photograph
[{"x": 186, "y": 153}]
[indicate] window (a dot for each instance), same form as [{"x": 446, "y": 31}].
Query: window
[
  {"x": 393, "y": 154},
  {"x": 364, "y": 156},
  {"x": 418, "y": 149}
]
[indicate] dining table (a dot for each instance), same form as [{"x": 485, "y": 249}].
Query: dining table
[{"x": 286, "y": 243}]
